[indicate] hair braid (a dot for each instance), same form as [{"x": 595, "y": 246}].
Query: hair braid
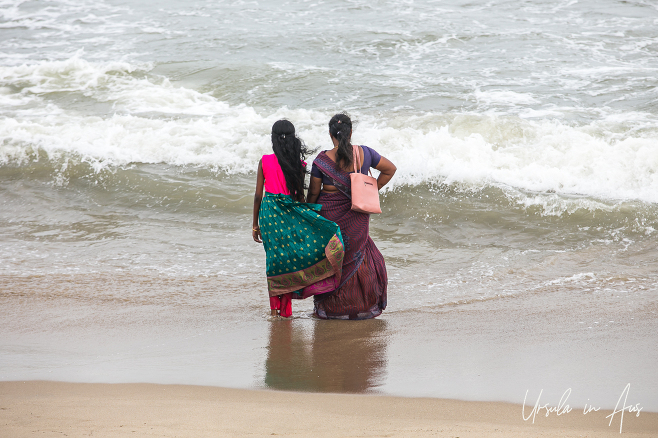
[{"x": 340, "y": 127}]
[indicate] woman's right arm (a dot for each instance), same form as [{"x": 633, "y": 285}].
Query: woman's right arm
[
  {"x": 258, "y": 197},
  {"x": 387, "y": 170},
  {"x": 314, "y": 190}
]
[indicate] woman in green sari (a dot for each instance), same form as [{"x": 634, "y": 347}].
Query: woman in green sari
[{"x": 304, "y": 251}]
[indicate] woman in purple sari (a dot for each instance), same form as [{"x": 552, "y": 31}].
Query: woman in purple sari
[{"x": 361, "y": 293}]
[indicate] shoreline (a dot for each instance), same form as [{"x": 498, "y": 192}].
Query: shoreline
[
  {"x": 483, "y": 351},
  {"x": 138, "y": 409}
]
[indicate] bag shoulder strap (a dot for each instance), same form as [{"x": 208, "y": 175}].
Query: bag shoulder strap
[{"x": 356, "y": 158}]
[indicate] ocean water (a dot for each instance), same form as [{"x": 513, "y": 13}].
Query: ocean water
[{"x": 525, "y": 134}]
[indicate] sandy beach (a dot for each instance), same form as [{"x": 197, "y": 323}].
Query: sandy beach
[{"x": 46, "y": 409}]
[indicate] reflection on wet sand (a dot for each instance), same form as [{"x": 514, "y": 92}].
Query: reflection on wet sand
[{"x": 338, "y": 356}]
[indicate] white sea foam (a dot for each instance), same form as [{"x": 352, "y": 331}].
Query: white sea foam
[
  {"x": 57, "y": 28},
  {"x": 153, "y": 121},
  {"x": 541, "y": 156},
  {"x": 184, "y": 126},
  {"x": 73, "y": 74},
  {"x": 505, "y": 97}
]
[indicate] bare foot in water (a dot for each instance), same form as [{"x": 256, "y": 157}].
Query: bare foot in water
[{"x": 274, "y": 312}]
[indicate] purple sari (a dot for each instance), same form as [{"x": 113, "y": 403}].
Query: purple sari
[{"x": 361, "y": 293}]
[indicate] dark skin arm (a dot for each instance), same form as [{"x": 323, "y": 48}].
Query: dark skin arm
[
  {"x": 314, "y": 190},
  {"x": 386, "y": 172},
  {"x": 258, "y": 198}
]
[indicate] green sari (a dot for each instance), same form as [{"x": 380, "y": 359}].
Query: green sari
[{"x": 304, "y": 251}]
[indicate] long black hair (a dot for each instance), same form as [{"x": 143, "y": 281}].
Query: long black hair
[
  {"x": 340, "y": 127},
  {"x": 290, "y": 151}
]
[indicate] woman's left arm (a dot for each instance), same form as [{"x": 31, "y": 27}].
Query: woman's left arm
[
  {"x": 314, "y": 189},
  {"x": 387, "y": 170},
  {"x": 258, "y": 198}
]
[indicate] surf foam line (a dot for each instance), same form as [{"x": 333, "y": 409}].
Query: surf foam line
[
  {"x": 154, "y": 121},
  {"x": 549, "y": 158}
]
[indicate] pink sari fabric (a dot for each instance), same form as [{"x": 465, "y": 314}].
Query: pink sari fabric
[{"x": 283, "y": 304}]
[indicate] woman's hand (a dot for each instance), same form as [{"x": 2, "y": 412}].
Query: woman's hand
[{"x": 255, "y": 233}]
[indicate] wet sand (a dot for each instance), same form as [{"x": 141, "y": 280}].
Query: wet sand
[
  {"x": 50, "y": 409},
  {"x": 546, "y": 343}
]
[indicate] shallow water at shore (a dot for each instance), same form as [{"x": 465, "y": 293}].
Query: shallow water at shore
[
  {"x": 148, "y": 274},
  {"x": 112, "y": 329}
]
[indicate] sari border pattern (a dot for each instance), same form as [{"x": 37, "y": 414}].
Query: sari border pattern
[{"x": 294, "y": 281}]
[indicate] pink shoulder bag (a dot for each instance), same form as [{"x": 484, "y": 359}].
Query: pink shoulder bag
[{"x": 365, "y": 194}]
